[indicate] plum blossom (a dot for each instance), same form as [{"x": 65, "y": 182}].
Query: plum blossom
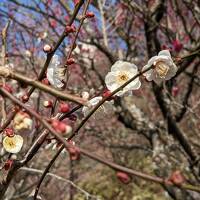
[
  {"x": 120, "y": 73},
  {"x": 164, "y": 67},
  {"x": 55, "y": 72},
  {"x": 101, "y": 111},
  {"x": 13, "y": 144},
  {"x": 22, "y": 121}
]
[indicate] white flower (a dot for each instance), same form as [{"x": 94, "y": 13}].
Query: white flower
[
  {"x": 101, "y": 111},
  {"x": 55, "y": 72},
  {"x": 164, "y": 67},
  {"x": 22, "y": 121},
  {"x": 120, "y": 73},
  {"x": 13, "y": 144}
]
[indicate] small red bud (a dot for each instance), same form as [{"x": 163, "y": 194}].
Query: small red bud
[
  {"x": 45, "y": 81},
  {"x": 89, "y": 15},
  {"x": 9, "y": 132},
  {"x": 8, "y": 88},
  {"x": 58, "y": 126},
  {"x": 76, "y": 2},
  {"x": 48, "y": 104},
  {"x": 106, "y": 94},
  {"x": 175, "y": 91},
  {"x": 64, "y": 107},
  {"x": 47, "y": 48},
  {"x": 70, "y": 61},
  {"x": 70, "y": 29},
  {"x": 177, "y": 178},
  {"x": 74, "y": 152},
  {"x": 8, "y": 164},
  {"x": 123, "y": 177},
  {"x": 25, "y": 98}
]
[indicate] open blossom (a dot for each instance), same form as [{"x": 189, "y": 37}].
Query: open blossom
[
  {"x": 13, "y": 144},
  {"x": 22, "y": 121},
  {"x": 101, "y": 111},
  {"x": 164, "y": 67},
  {"x": 56, "y": 72},
  {"x": 120, "y": 73}
]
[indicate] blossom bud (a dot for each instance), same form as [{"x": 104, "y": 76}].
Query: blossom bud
[
  {"x": 64, "y": 107},
  {"x": 89, "y": 15},
  {"x": 106, "y": 94},
  {"x": 9, "y": 132},
  {"x": 177, "y": 178},
  {"x": 45, "y": 81},
  {"x": 123, "y": 177},
  {"x": 47, "y": 48},
  {"x": 48, "y": 104},
  {"x": 76, "y": 2},
  {"x": 25, "y": 98},
  {"x": 70, "y": 61},
  {"x": 8, "y": 164},
  {"x": 61, "y": 127},
  {"x": 8, "y": 88},
  {"x": 70, "y": 29}
]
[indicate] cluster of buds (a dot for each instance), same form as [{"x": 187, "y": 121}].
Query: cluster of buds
[
  {"x": 22, "y": 121},
  {"x": 123, "y": 177},
  {"x": 61, "y": 127},
  {"x": 70, "y": 29}
]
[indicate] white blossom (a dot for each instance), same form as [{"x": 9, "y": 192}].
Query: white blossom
[
  {"x": 101, "y": 111},
  {"x": 164, "y": 67},
  {"x": 56, "y": 72},
  {"x": 120, "y": 73},
  {"x": 13, "y": 144}
]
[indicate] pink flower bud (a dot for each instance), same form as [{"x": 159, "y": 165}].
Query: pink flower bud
[
  {"x": 24, "y": 98},
  {"x": 8, "y": 88},
  {"x": 8, "y": 164},
  {"x": 89, "y": 15},
  {"x": 70, "y": 61},
  {"x": 177, "y": 178},
  {"x": 177, "y": 45},
  {"x": 48, "y": 104},
  {"x": 9, "y": 132},
  {"x": 64, "y": 107},
  {"x": 45, "y": 81},
  {"x": 47, "y": 48},
  {"x": 123, "y": 177},
  {"x": 70, "y": 29}
]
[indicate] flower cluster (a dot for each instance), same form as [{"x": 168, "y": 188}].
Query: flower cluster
[{"x": 160, "y": 67}]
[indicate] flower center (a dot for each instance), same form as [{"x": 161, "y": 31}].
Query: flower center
[
  {"x": 122, "y": 78},
  {"x": 11, "y": 144},
  {"x": 161, "y": 68}
]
